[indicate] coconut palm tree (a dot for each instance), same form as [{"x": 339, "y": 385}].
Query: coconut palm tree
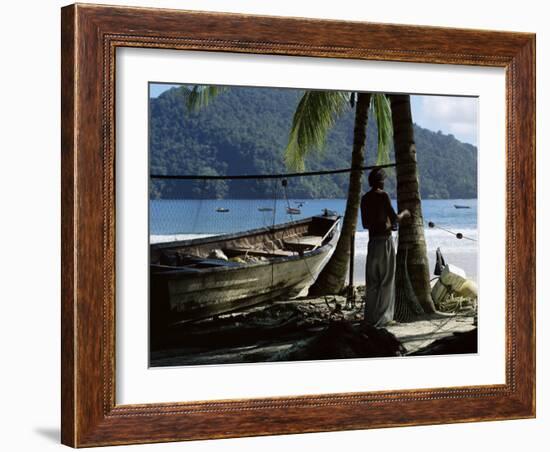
[
  {"x": 314, "y": 116},
  {"x": 412, "y": 243},
  {"x": 200, "y": 96}
]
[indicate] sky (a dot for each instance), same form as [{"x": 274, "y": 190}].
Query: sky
[{"x": 450, "y": 115}]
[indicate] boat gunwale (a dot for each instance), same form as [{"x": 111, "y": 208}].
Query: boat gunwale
[
  {"x": 178, "y": 271},
  {"x": 237, "y": 235},
  {"x": 275, "y": 260}
]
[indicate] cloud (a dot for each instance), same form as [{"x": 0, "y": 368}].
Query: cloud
[{"x": 451, "y": 115}]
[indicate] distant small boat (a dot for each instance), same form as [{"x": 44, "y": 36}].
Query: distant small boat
[
  {"x": 265, "y": 209},
  {"x": 293, "y": 211},
  {"x": 222, "y": 209},
  {"x": 299, "y": 203},
  {"x": 459, "y": 206}
]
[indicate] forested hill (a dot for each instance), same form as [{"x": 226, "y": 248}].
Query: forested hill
[{"x": 245, "y": 131}]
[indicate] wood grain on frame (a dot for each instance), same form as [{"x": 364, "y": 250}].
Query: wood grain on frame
[{"x": 90, "y": 36}]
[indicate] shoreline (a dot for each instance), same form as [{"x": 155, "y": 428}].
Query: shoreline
[{"x": 465, "y": 255}]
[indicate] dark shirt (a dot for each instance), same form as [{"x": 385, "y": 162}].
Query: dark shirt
[{"x": 377, "y": 214}]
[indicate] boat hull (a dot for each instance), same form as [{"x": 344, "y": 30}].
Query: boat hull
[{"x": 181, "y": 295}]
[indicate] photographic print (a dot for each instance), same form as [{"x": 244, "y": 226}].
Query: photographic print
[
  {"x": 294, "y": 225},
  {"x": 233, "y": 221}
]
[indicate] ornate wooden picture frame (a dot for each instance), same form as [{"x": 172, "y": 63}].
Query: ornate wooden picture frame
[{"x": 90, "y": 37}]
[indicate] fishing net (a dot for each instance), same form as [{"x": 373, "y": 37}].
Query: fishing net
[
  {"x": 407, "y": 306},
  {"x": 210, "y": 204},
  {"x": 188, "y": 208}
]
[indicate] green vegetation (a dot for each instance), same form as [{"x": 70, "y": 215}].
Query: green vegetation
[{"x": 246, "y": 130}]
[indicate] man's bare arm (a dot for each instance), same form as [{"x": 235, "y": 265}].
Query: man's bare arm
[
  {"x": 364, "y": 216},
  {"x": 405, "y": 213}
]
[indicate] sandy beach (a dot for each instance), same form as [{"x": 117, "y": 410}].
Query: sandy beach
[{"x": 288, "y": 330}]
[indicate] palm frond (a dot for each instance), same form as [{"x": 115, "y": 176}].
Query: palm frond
[
  {"x": 200, "y": 96},
  {"x": 314, "y": 116},
  {"x": 381, "y": 108}
]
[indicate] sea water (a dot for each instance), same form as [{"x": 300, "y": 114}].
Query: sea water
[{"x": 186, "y": 218}]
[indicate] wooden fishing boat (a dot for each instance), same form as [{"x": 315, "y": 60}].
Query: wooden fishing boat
[
  {"x": 293, "y": 211},
  {"x": 199, "y": 278},
  {"x": 461, "y": 206}
]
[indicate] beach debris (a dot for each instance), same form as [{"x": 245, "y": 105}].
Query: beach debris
[
  {"x": 439, "y": 262},
  {"x": 238, "y": 260},
  {"x": 455, "y": 278},
  {"x": 453, "y": 281},
  {"x": 335, "y": 313},
  {"x": 217, "y": 254},
  {"x": 456, "y": 303}
]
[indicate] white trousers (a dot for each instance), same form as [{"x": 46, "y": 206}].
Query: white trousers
[{"x": 380, "y": 281}]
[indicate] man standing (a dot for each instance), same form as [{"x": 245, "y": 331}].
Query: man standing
[{"x": 378, "y": 216}]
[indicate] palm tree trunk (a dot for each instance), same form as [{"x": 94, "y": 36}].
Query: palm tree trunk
[
  {"x": 333, "y": 277},
  {"x": 411, "y": 231}
]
